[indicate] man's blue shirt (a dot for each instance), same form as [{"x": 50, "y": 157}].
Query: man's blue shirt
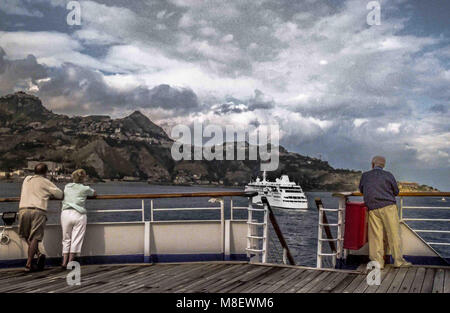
[{"x": 379, "y": 188}]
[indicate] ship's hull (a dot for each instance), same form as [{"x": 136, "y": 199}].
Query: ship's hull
[{"x": 282, "y": 204}]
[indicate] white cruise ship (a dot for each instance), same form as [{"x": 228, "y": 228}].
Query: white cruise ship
[{"x": 282, "y": 193}]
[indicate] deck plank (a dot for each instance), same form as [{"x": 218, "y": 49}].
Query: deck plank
[
  {"x": 398, "y": 280},
  {"x": 438, "y": 283},
  {"x": 151, "y": 273},
  {"x": 408, "y": 281},
  {"x": 205, "y": 278},
  {"x": 183, "y": 276},
  {"x": 59, "y": 280},
  {"x": 289, "y": 281},
  {"x": 177, "y": 272},
  {"x": 255, "y": 282},
  {"x": 262, "y": 282},
  {"x": 282, "y": 279},
  {"x": 224, "y": 277},
  {"x": 215, "y": 285},
  {"x": 344, "y": 283},
  {"x": 363, "y": 285},
  {"x": 387, "y": 281},
  {"x": 416, "y": 285},
  {"x": 334, "y": 282},
  {"x": 150, "y": 283},
  {"x": 141, "y": 280},
  {"x": 447, "y": 281},
  {"x": 308, "y": 276},
  {"x": 354, "y": 284},
  {"x": 427, "y": 285},
  {"x": 290, "y": 286},
  {"x": 97, "y": 283},
  {"x": 313, "y": 282},
  {"x": 145, "y": 285},
  {"x": 145, "y": 273},
  {"x": 319, "y": 286},
  {"x": 27, "y": 279},
  {"x": 240, "y": 280}
]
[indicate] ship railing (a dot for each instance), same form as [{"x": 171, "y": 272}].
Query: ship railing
[
  {"x": 143, "y": 197},
  {"x": 259, "y": 235},
  {"x": 215, "y": 197},
  {"x": 431, "y": 221},
  {"x": 336, "y": 241}
]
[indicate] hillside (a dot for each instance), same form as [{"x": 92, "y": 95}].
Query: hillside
[{"x": 134, "y": 146}]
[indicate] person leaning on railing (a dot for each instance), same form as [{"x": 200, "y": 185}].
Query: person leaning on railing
[
  {"x": 73, "y": 216},
  {"x": 34, "y": 196},
  {"x": 380, "y": 188}
]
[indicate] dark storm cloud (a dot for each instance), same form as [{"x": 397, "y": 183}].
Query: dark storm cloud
[
  {"x": 166, "y": 97},
  {"x": 18, "y": 73},
  {"x": 439, "y": 108},
  {"x": 233, "y": 105},
  {"x": 74, "y": 89}
]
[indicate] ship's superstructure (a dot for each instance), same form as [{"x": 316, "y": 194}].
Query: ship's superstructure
[{"x": 282, "y": 193}]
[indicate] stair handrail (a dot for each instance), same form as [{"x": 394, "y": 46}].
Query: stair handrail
[{"x": 278, "y": 232}]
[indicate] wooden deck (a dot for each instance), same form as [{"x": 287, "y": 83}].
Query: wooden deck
[{"x": 224, "y": 277}]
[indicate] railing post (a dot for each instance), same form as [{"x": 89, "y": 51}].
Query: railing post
[
  {"x": 401, "y": 209},
  {"x": 340, "y": 228},
  {"x": 222, "y": 226},
  {"x": 151, "y": 210},
  {"x": 249, "y": 227},
  {"x": 265, "y": 236},
  {"x": 222, "y": 223},
  {"x": 143, "y": 211},
  {"x": 319, "y": 240},
  {"x": 147, "y": 241},
  {"x": 231, "y": 209}
]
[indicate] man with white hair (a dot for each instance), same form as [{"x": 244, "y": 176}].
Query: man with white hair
[{"x": 380, "y": 188}]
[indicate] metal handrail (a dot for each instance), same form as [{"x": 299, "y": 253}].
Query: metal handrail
[
  {"x": 278, "y": 232},
  {"x": 152, "y": 196},
  {"x": 431, "y": 231},
  {"x": 401, "y": 194}
]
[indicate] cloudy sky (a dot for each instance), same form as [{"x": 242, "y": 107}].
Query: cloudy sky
[{"x": 338, "y": 87}]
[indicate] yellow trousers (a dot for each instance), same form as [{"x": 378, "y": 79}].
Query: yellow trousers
[{"x": 385, "y": 220}]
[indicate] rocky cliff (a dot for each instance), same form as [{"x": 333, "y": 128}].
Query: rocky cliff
[{"x": 134, "y": 146}]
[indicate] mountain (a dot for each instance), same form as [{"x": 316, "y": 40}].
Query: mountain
[
  {"x": 105, "y": 147},
  {"x": 135, "y": 146}
]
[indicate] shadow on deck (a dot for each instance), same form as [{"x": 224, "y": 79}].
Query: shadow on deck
[{"x": 225, "y": 277}]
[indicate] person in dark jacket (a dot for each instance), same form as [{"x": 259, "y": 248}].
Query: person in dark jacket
[{"x": 380, "y": 188}]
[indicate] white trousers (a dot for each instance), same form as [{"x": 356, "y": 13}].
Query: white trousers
[{"x": 73, "y": 228}]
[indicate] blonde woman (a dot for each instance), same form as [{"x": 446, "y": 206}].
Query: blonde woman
[{"x": 73, "y": 215}]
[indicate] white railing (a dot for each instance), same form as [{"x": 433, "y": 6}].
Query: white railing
[
  {"x": 252, "y": 232},
  {"x": 147, "y": 207},
  {"x": 341, "y": 253},
  {"x": 402, "y": 207},
  {"x": 324, "y": 226}
]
